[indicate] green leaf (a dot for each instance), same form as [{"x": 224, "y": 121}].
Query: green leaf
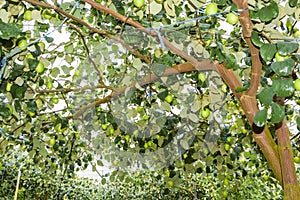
[
  {"x": 274, "y": 6},
  {"x": 283, "y": 87},
  {"x": 32, "y": 63},
  {"x": 4, "y": 111},
  {"x": 31, "y": 106},
  {"x": 298, "y": 123},
  {"x": 49, "y": 39},
  {"x": 193, "y": 117},
  {"x": 99, "y": 163},
  {"x": 277, "y": 113},
  {"x": 18, "y": 91},
  {"x": 283, "y": 68},
  {"x": 286, "y": 48},
  {"x": 265, "y": 14},
  {"x": 269, "y": 12},
  {"x": 241, "y": 89},
  {"x": 256, "y": 39},
  {"x": 67, "y": 69},
  {"x": 158, "y": 69},
  {"x": 266, "y": 96},
  {"x": 260, "y": 118},
  {"x": 8, "y": 30},
  {"x": 293, "y": 3},
  {"x": 231, "y": 62},
  {"x": 18, "y": 106},
  {"x": 267, "y": 51},
  {"x": 55, "y": 72}
]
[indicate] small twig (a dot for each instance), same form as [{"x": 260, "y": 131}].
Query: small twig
[
  {"x": 66, "y": 90},
  {"x": 187, "y": 190},
  {"x": 92, "y": 29},
  {"x": 52, "y": 112},
  {"x": 88, "y": 53}
]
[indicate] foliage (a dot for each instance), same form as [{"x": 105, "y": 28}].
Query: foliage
[
  {"x": 137, "y": 185},
  {"x": 149, "y": 91},
  {"x": 39, "y": 181}
]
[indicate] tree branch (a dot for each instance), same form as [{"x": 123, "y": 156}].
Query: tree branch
[
  {"x": 135, "y": 24},
  {"x": 181, "y": 68},
  {"x": 88, "y": 53},
  {"x": 248, "y": 100},
  {"x": 66, "y": 90},
  {"x": 289, "y": 176},
  {"x": 92, "y": 29},
  {"x": 247, "y": 28}
]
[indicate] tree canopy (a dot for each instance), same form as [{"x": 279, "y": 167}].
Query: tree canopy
[{"x": 180, "y": 89}]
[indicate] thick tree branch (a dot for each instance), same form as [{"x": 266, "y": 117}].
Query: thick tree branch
[
  {"x": 291, "y": 187},
  {"x": 247, "y": 27},
  {"x": 205, "y": 65},
  {"x": 135, "y": 24},
  {"x": 249, "y": 104},
  {"x": 248, "y": 101}
]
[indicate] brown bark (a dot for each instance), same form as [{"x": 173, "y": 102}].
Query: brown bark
[
  {"x": 262, "y": 137},
  {"x": 281, "y": 160},
  {"x": 291, "y": 187}
]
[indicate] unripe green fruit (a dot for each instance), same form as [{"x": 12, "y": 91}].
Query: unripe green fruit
[
  {"x": 111, "y": 130},
  {"x": 201, "y": 77},
  {"x": 225, "y": 193},
  {"x": 279, "y": 58},
  {"x": 169, "y": 98},
  {"x": 49, "y": 85},
  {"x": 146, "y": 117},
  {"x": 266, "y": 177},
  {"x": 150, "y": 143},
  {"x": 167, "y": 173},
  {"x": 127, "y": 137},
  {"x": 211, "y": 9},
  {"x": 54, "y": 100},
  {"x": 47, "y": 14},
  {"x": 29, "y": 56},
  {"x": 52, "y": 142},
  {"x": 228, "y": 139},
  {"x": 104, "y": 126},
  {"x": 297, "y": 160},
  {"x": 77, "y": 135},
  {"x": 226, "y": 182},
  {"x": 296, "y": 34},
  {"x": 28, "y": 15},
  {"x": 40, "y": 68},
  {"x": 170, "y": 183},
  {"x": 226, "y": 147},
  {"x": 297, "y": 84},
  {"x": 8, "y": 87},
  {"x": 244, "y": 130},
  {"x": 31, "y": 114},
  {"x": 138, "y": 3},
  {"x": 205, "y": 113},
  {"x": 146, "y": 145},
  {"x": 139, "y": 109},
  {"x": 232, "y": 18},
  {"x": 22, "y": 44},
  {"x": 182, "y": 163}
]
